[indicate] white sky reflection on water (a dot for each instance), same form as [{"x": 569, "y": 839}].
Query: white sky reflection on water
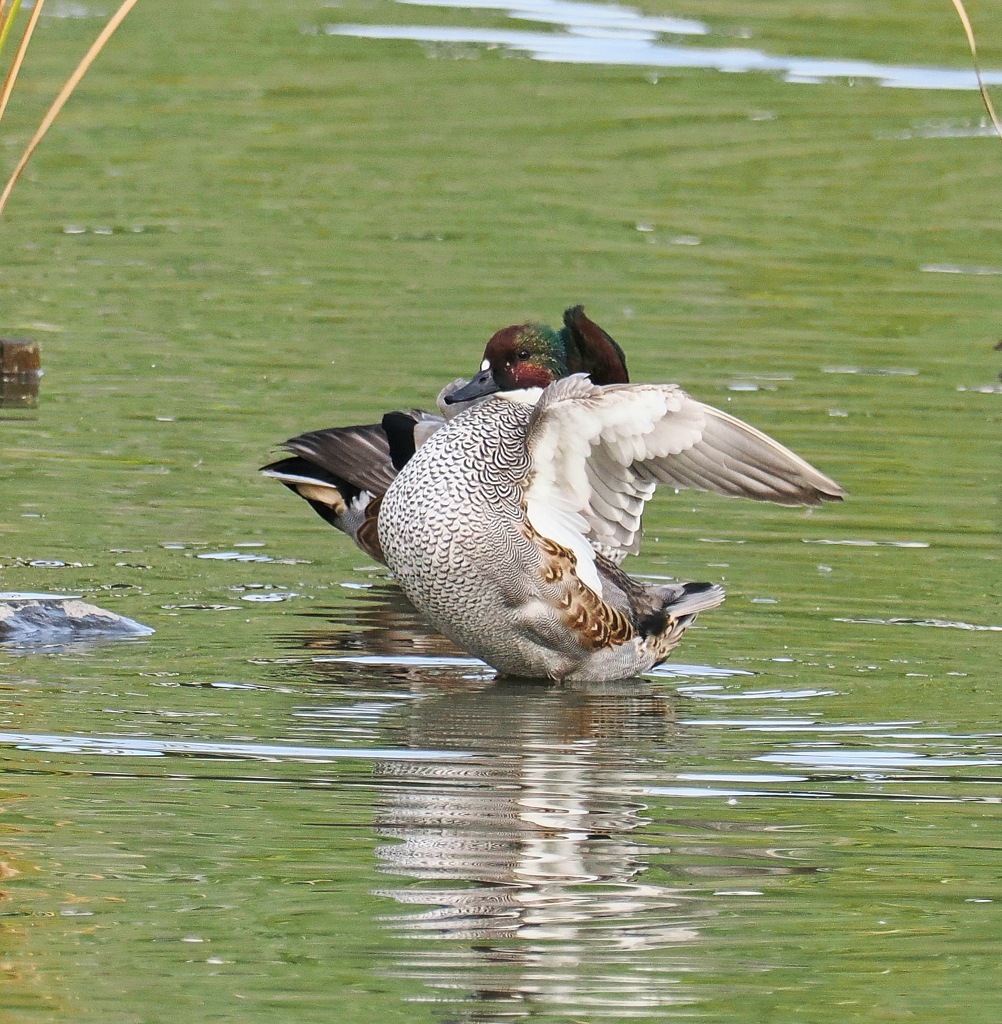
[
  {"x": 133, "y": 746},
  {"x": 583, "y": 19},
  {"x": 612, "y": 34}
]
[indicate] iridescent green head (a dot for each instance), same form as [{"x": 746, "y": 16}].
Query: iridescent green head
[{"x": 534, "y": 355}]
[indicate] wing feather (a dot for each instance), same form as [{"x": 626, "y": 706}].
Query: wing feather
[
  {"x": 598, "y": 452},
  {"x": 359, "y": 454},
  {"x": 732, "y": 457}
]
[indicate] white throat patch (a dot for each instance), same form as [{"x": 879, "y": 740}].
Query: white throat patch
[{"x": 524, "y": 396}]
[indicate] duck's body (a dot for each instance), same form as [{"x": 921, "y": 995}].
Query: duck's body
[
  {"x": 507, "y": 526},
  {"x": 455, "y": 532}
]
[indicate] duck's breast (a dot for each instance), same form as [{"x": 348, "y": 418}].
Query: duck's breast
[{"x": 452, "y": 526}]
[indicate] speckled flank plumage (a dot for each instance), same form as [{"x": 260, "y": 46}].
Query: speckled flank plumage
[
  {"x": 454, "y": 530},
  {"x": 432, "y": 527}
]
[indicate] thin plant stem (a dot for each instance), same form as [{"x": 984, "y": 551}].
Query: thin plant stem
[
  {"x": 7, "y": 20},
  {"x": 64, "y": 94},
  {"x": 966, "y": 22},
  {"x": 22, "y": 49}
]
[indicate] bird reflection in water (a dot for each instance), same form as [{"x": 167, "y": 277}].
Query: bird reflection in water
[
  {"x": 378, "y": 621},
  {"x": 557, "y": 892},
  {"x": 524, "y": 853}
]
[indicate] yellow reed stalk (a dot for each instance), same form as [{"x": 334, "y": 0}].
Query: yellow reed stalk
[
  {"x": 7, "y": 20},
  {"x": 64, "y": 94},
  {"x": 966, "y": 22},
  {"x": 22, "y": 49}
]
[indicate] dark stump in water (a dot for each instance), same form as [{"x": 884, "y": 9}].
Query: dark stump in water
[{"x": 20, "y": 371}]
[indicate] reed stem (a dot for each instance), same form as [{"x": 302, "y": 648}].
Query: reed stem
[
  {"x": 64, "y": 94},
  {"x": 986, "y": 99},
  {"x": 22, "y": 49},
  {"x": 7, "y": 20}
]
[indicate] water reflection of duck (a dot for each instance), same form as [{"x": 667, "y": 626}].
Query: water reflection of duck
[
  {"x": 342, "y": 472},
  {"x": 382, "y": 624},
  {"x": 538, "y": 809},
  {"x": 524, "y": 853},
  {"x": 543, "y": 871},
  {"x": 538, "y": 496}
]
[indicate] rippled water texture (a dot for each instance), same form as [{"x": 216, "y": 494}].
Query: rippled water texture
[{"x": 294, "y": 802}]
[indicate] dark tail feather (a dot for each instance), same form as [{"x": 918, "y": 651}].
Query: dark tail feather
[
  {"x": 327, "y": 494},
  {"x": 338, "y": 502},
  {"x": 683, "y": 604},
  {"x": 359, "y": 454},
  {"x": 399, "y": 430},
  {"x": 295, "y": 471}
]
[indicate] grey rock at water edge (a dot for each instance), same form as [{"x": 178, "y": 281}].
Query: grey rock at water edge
[{"x": 43, "y": 618}]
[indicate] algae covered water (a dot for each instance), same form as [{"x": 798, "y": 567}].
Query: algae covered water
[{"x": 294, "y": 800}]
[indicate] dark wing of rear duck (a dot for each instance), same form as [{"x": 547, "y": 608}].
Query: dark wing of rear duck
[{"x": 342, "y": 472}]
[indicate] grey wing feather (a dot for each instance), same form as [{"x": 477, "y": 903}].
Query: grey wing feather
[
  {"x": 598, "y": 453},
  {"x": 618, "y": 496},
  {"x": 732, "y": 457},
  {"x": 359, "y": 454}
]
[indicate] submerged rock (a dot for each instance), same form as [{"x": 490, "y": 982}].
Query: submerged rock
[{"x": 44, "y": 618}]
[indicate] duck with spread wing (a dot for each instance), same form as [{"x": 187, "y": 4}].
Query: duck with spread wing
[{"x": 507, "y": 526}]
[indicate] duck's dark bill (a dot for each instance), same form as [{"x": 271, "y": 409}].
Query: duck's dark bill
[{"x": 481, "y": 385}]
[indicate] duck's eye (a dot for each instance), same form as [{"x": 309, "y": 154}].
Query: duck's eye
[{"x": 523, "y": 354}]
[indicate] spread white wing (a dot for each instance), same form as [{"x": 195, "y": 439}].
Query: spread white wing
[{"x": 598, "y": 453}]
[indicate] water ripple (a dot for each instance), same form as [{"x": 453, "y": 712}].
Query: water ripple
[
  {"x": 938, "y": 623},
  {"x": 675, "y": 669},
  {"x": 718, "y": 693},
  {"x": 131, "y": 746},
  {"x": 580, "y": 17},
  {"x": 408, "y": 660},
  {"x": 881, "y": 759}
]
